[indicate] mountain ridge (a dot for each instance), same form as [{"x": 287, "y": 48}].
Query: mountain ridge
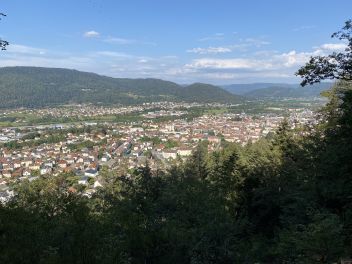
[
  {"x": 22, "y": 86},
  {"x": 277, "y": 90}
]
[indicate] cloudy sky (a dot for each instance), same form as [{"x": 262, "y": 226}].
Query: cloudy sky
[{"x": 218, "y": 41}]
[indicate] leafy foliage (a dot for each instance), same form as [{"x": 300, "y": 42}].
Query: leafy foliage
[
  {"x": 3, "y": 43},
  {"x": 337, "y": 65}
]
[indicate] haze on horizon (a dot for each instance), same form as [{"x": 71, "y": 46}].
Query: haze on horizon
[{"x": 219, "y": 42}]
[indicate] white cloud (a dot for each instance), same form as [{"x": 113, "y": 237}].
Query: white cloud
[
  {"x": 278, "y": 62},
  {"x": 106, "y": 62},
  {"x": 243, "y": 45},
  {"x": 334, "y": 46},
  {"x": 260, "y": 62},
  {"x": 226, "y": 64},
  {"x": 115, "y": 40},
  {"x": 91, "y": 34},
  {"x": 255, "y": 42},
  {"x": 121, "y": 41},
  {"x": 259, "y": 65},
  {"x": 170, "y": 67},
  {"x": 22, "y": 49},
  {"x": 210, "y": 50},
  {"x": 291, "y": 59},
  {"x": 112, "y": 54}
]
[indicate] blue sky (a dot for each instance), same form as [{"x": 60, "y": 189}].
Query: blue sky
[{"x": 219, "y": 42}]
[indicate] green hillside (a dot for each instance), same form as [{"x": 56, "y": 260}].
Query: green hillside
[
  {"x": 38, "y": 87},
  {"x": 206, "y": 93},
  {"x": 289, "y": 92},
  {"x": 277, "y": 90}
]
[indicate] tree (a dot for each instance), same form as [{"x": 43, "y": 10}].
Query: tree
[
  {"x": 332, "y": 179},
  {"x": 3, "y": 43},
  {"x": 336, "y": 66}
]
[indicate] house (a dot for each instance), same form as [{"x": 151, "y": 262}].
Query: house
[
  {"x": 49, "y": 164},
  {"x": 160, "y": 147},
  {"x": 198, "y": 138},
  {"x": 17, "y": 173},
  {"x": 78, "y": 166},
  {"x": 86, "y": 162},
  {"x": 68, "y": 170},
  {"x": 45, "y": 170},
  {"x": 7, "y": 174},
  {"x": 184, "y": 152},
  {"x": 137, "y": 153},
  {"x": 93, "y": 166},
  {"x": 105, "y": 158},
  {"x": 3, "y": 185},
  {"x": 33, "y": 178},
  {"x": 230, "y": 139},
  {"x": 72, "y": 190},
  {"x": 7, "y": 154},
  {"x": 26, "y": 163},
  {"x": 17, "y": 164},
  {"x": 167, "y": 154},
  {"x": 70, "y": 160},
  {"x": 62, "y": 164},
  {"x": 91, "y": 173},
  {"x": 97, "y": 184},
  {"x": 213, "y": 139},
  {"x": 35, "y": 166},
  {"x": 83, "y": 180},
  {"x": 89, "y": 193},
  {"x": 26, "y": 173}
]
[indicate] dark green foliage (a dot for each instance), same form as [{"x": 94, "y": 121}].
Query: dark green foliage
[
  {"x": 171, "y": 144},
  {"x": 39, "y": 87},
  {"x": 3, "y": 43},
  {"x": 79, "y": 146},
  {"x": 336, "y": 66},
  {"x": 29, "y": 140}
]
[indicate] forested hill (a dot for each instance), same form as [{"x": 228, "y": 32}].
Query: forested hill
[
  {"x": 243, "y": 88},
  {"x": 277, "y": 90},
  {"x": 38, "y": 87},
  {"x": 289, "y": 92}
]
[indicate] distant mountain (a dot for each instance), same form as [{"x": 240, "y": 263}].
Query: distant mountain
[
  {"x": 277, "y": 90},
  {"x": 206, "y": 93},
  {"x": 242, "y": 89},
  {"x": 289, "y": 92},
  {"x": 39, "y": 87}
]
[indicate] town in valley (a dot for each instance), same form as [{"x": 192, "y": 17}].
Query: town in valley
[{"x": 123, "y": 138}]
